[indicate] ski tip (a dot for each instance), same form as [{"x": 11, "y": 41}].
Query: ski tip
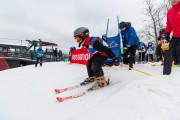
[
  {"x": 59, "y": 99},
  {"x": 57, "y": 91}
]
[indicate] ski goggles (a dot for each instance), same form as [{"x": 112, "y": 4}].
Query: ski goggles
[{"x": 77, "y": 39}]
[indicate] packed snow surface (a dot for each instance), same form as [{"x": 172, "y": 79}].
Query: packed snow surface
[{"x": 27, "y": 93}]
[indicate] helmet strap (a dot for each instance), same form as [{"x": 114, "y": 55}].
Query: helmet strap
[
  {"x": 82, "y": 41},
  {"x": 83, "y": 37}
]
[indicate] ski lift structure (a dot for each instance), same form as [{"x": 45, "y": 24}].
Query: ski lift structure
[
  {"x": 20, "y": 55},
  {"x": 36, "y": 43}
]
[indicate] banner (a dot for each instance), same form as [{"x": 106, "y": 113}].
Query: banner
[
  {"x": 114, "y": 44},
  {"x": 80, "y": 56}
]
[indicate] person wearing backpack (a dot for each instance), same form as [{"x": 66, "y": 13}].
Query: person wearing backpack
[{"x": 100, "y": 51}]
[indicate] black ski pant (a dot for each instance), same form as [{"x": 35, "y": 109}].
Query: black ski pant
[
  {"x": 172, "y": 54},
  {"x": 149, "y": 56},
  {"x": 55, "y": 58},
  {"x": 176, "y": 50},
  {"x": 94, "y": 65},
  {"x": 159, "y": 53},
  {"x": 141, "y": 56},
  {"x": 129, "y": 56},
  {"x": 37, "y": 61}
]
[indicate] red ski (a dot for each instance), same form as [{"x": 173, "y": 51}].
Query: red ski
[
  {"x": 61, "y": 99},
  {"x": 66, "y": 89}
]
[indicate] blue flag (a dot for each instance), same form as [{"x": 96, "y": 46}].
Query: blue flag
[{"x": 114, "y": 44}]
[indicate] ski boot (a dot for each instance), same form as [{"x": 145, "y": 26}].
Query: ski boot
[
  {"x": 88, "y": 80},
  {"x": 101, "y": 82}
]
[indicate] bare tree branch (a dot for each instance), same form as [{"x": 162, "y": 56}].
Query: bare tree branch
[{"x": 155, "y": 18}]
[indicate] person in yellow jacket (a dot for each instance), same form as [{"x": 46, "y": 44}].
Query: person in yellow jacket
[{"x": 160, "y": 46}]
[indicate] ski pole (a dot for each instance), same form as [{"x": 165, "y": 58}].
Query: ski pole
[
  {"x": 121, "y": 65},
  {"x": 137, "y": 70}
]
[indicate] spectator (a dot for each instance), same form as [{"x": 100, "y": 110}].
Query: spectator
[
  {"x": 60, "y": 55},
  {"x": 160, "y": 40},
  {"x": 172, "y": 25},
  {"x": 142, "y": 52},
  {"x": 130, "y": 43},
  {"x": 39, "y": 55},
  {"x": 55, "y": 53},
  {"x": 150, "y": 52}
]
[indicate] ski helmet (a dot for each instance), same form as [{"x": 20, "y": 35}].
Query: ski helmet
[
  {"x": 122, "y": 25},
  {"x": 82, "y": 33}
]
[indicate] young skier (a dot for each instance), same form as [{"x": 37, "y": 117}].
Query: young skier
[
  {"x": 159, "y": 47},
  {"x": 150, "y": 52},
  {"x": 39, "y": 54},
  {"x": 100, "y": 51},
  {"x": 142, "y": 52}
]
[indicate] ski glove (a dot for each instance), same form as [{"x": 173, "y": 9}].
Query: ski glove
[
  {"x": 126, "y": 48},
  {"x": 115, "y": 61},
  {"x": 167, "y": 37}
]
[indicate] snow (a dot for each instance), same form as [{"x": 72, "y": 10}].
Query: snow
[{"x": 27, "y": 93}]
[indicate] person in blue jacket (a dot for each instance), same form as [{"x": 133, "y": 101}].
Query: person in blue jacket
[
  {"x": 150, "y": 52},
  {"x": 130, "y": 43},
  {"x": 39, "y": 54},
  {"x": 142, "y": 51}
]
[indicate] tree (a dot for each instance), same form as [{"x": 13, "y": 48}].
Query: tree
[
  {"x": 167, "y": 5},
  {"x": 155, "y": 14}
]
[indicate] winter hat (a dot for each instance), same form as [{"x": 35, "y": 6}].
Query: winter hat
[
  {"x": 122, "y": 25},
  {"x": 162, "y": 31}
]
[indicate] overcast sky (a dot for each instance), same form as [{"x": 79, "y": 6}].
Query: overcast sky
[{"x": 55, "y": 20}]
